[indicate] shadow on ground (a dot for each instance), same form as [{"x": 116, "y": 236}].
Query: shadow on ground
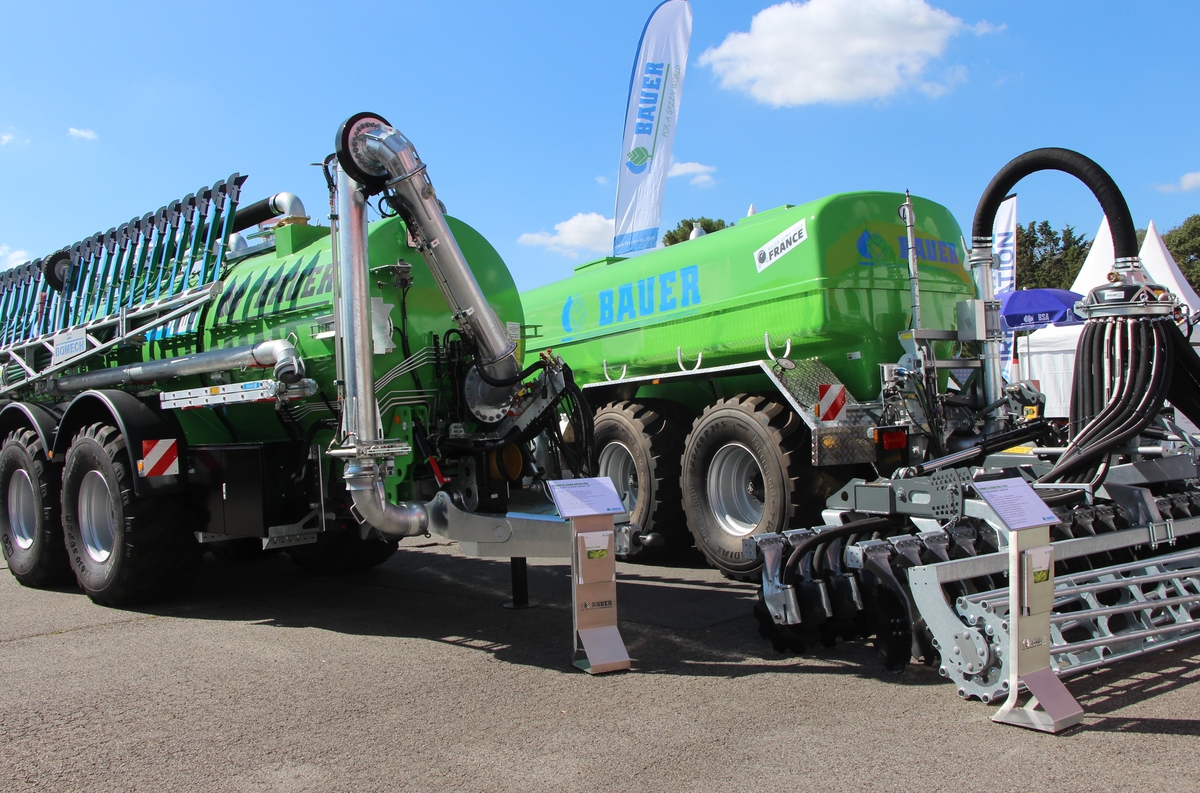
[{"x": 676, "y": 619}]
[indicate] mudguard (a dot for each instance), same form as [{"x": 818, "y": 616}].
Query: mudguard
[{"x": 138, "y": 422}]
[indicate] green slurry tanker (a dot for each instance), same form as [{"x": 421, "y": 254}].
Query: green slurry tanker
[
  {"x": 731, "y": 368},
  {"x": 227, "y": 376}
]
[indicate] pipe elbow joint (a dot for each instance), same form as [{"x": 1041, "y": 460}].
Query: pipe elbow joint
[
  {"x": 406, "y": 519},
  {"x": 289, "y": 369},
  {"x": 282, "y": 355}
]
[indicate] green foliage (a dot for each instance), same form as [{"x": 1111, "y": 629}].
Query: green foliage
[
  {"x": 1048, "y": 259},
  {"x": 1183, "y": 242},
  {"x": 681, "y": 232}
]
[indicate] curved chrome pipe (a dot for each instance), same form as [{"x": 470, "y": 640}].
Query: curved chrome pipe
[
  {"x": 279, "y": 353},
  {"x": 412, "y": 194},
  {"x": 406, "y": 519}
]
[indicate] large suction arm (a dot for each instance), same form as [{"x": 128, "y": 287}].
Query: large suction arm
[{"x": 377, "y": 156}]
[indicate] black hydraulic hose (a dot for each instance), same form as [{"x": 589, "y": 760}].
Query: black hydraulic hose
[
  {"x": 809, "y": 543},
  {"x": 253, "y": 214},
  {"x": 1120, "y": 222},
  {"x": 508, "y": 381},
  {"x": 1133, "y": 420},
  {"x": 1124, "y": 391},
  {"x": 1127, "y": 389}
]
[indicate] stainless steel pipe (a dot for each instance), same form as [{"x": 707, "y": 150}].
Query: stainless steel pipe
[{"x": 280, "y": 354}]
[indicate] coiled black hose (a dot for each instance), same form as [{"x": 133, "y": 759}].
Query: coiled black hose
[{"x": 1115, "y": 208}]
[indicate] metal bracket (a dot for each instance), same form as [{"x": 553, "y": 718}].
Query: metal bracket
[
  {"x": 679, "y": 359},
  {"x": 294, "y": 534},
  {"x": 620, "y": 377},
  {"x": 781, "y": 601},
  {"x": 787, "y": 350}
]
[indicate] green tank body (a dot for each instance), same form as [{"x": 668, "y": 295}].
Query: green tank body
[
  {"x": 829, "y": 275},
  {"x": 288, "y": 293}
]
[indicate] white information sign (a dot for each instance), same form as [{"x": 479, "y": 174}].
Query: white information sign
[
  {"x": 1016, "y": 503},
  {"x": 577, "y": 498},
  {"x": 68, "y": 345}
]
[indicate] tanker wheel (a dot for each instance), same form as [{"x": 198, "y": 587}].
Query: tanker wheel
[
  {"x": 342, "y": 550},
  {"x": 639, "y": 445},
  {"x": 746, "y": 471},
  {"x": 123, "y": 548},
  {"x": 30, "y": 529}
]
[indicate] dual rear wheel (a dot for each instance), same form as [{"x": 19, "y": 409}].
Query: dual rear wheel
[
  {"x": 83, "y": 521},
  {"x": 743, "y": 469}
]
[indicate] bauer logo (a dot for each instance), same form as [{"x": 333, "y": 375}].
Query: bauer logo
[{"x": 765, "y": 256}]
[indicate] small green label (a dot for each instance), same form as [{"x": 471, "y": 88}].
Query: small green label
[
  {"x": 1041, "y": 576},
  {"x": 639, "y": 155},
  {"x": 599, "y": 553}
]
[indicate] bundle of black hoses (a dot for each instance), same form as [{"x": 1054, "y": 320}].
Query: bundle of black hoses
[
  {"x": 1123, "y": 374},
  {"x": 809, "y": 544}
]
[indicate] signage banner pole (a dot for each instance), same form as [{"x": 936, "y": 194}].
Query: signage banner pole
[
  {"x": 651, "y": 118},
  {"x": 1004, "y": 249}
]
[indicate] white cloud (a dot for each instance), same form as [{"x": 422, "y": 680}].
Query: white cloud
[
  {"x": 6, "y": 139},
  {"x": 799, "y": 53},
  {"x": 698, "y": 172},
  {"x": 84, "y": 134},
  {"x": 1189, "y": 181},
  {"x": 11, "y": 258},
  {"x": 591, "y": 232},
  {"x": 601, "y": 180}
]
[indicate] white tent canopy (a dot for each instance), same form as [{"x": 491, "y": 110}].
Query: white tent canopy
[
  {"x": 1161, "y": 267},
  {"x": 1098, "y": 264},
  {"x": 1050, "y": 352}
]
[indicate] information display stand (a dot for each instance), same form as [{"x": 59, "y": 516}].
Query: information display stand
[
  {"x": 591, "y": 504},
  {"x": 1051, "y": 707}
]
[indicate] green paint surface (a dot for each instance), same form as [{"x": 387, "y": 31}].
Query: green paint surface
[{"x": 840, "y": 294}]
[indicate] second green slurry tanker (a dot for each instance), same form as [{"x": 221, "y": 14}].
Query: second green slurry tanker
[{"x": 814, "y": 392}]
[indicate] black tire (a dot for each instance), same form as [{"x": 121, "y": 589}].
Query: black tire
[
  {"x": 641, "y": 445},
  {"x": 766, "y": 444},
  {"x": 140, "y": 547},
  {"x": 342, "y": 550},
  {"x": 31, "y": 533}
]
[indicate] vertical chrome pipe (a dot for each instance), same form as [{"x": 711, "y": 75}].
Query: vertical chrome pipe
[
  {"x": 914, "y": 282},
  {"x": 981, "y": 269},
  {"x": 354, "y": 312}
]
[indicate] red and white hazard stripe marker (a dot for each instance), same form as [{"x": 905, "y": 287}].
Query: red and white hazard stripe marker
[
  {"x": 832, "y": 405},
  {"x": 159, "y": 458}
]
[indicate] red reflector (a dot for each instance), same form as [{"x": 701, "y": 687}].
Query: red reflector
[{"x": 894, "y": 439}]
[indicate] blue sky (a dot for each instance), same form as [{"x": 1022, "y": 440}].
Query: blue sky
[{"x": 517, "y": 107}]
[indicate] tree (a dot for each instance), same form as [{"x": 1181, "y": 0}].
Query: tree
[
  {"x": 683, "y": 231},
  {"x": 1047, "y": 259},
  {"x": 1183, "y": 242}
]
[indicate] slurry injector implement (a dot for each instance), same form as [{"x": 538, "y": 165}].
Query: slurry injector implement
[
  {"x": 919, "y": 561},
  {"x": 229, "y": 375}
]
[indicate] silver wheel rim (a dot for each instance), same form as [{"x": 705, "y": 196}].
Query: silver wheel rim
[
  {"x": 97, "y": 522},
  {"x": 22, "y": 509},
  {"x": 616, "y": 462},
  {"x": 734, "y": 490}
]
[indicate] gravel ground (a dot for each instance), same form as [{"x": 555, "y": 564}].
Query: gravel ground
[{"x": 412, "y": 677}]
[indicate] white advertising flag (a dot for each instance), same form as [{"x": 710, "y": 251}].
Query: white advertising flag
[
  {"x": 651, "y": 119},
  {"x": 1004, "y": 275}
]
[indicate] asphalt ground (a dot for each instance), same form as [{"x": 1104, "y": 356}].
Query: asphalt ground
[{"x": 263, "y": 677}]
